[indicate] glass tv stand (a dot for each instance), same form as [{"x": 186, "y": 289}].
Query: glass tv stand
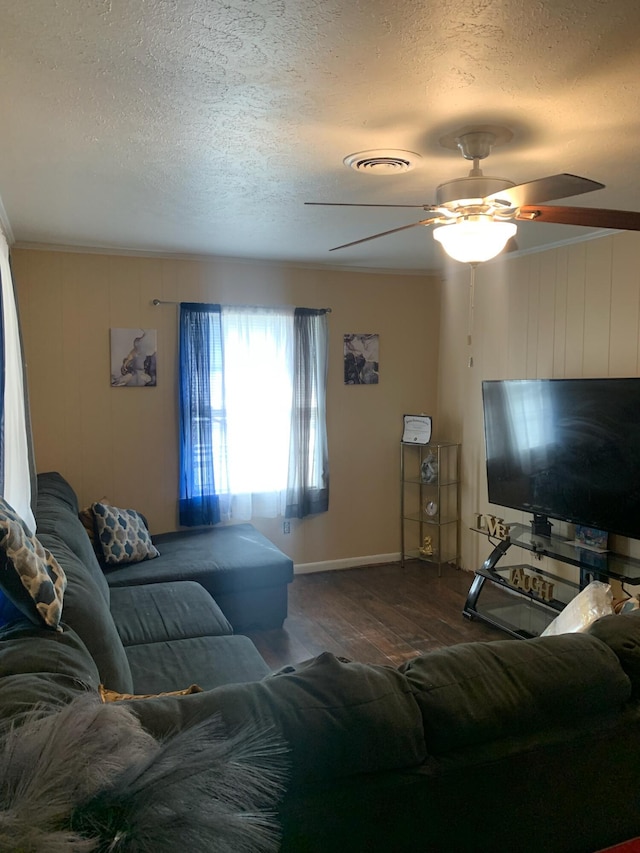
[{"x": 523, "y": 599}]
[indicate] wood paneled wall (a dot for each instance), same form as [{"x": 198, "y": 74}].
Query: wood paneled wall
[{"x": 572, "y": 311}]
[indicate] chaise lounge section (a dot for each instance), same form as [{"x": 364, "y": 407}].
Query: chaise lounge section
[{"x": 244, "y": 572}]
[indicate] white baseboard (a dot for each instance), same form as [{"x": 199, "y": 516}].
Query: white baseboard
[{"x": 347, "y": 563}]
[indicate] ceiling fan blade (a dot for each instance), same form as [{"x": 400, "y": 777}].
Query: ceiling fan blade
[
  {"x": 545, "y": 189},
  {"x": 592, "y": 217},
  {"x": 354, "y": 204},
  {"x": 384, "y": 233}
]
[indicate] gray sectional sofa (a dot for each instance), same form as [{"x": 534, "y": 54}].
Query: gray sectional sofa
[{"x": 527, "y": 745}]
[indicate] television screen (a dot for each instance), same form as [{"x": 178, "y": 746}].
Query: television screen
[{"x": 566, "y": 448}]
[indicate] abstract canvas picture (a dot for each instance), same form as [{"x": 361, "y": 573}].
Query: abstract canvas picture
[
  {"x": 133, "y": 358},
  {"x": 361, "y": 366}
]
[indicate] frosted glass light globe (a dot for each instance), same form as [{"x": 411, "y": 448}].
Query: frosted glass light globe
[{"x": 474, "y": 239}]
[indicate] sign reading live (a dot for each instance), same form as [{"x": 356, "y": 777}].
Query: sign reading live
[{"x": 494, "y": 526}]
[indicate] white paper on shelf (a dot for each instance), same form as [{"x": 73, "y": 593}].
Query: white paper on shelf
[{"x": 417, "y": 429}]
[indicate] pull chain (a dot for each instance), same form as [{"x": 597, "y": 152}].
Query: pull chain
[{"x": 472, "y": 288}]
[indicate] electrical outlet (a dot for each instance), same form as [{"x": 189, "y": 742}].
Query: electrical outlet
[{"x": 286, "y": 527}]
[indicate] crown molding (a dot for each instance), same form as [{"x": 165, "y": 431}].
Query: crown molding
[
  {"x": 558, "y": 244},
  {"x": 204, "y": 258},
  {"x": 177, "y": 256}
]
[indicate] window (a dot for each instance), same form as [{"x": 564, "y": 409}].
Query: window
[{"x": 252, "y": 412}]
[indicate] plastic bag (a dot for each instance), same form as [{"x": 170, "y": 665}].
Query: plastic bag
[{"x": 594, "y": 601}]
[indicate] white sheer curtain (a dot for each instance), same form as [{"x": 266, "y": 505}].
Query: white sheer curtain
[
  {"x": 256, "y": 396},
  {"x": 16, "y": 481}
]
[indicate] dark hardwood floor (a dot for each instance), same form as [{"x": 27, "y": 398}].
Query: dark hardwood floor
[{"x": 381, "y": 614}]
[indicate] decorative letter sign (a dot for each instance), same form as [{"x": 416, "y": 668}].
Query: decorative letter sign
[
  {"x": 534, "y": 584},
  {"x": 493, "y": 525},
  {"x": 519, "y": 578}
]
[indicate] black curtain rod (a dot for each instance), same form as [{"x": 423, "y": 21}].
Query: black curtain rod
[{"x": 167, "y": 302}]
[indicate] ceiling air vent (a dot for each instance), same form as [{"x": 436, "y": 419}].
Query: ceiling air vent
[{"x": 382, "y": 162}]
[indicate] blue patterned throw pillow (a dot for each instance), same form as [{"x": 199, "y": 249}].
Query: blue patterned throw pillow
[
  {"x": 122, "y": 535},
  {"x": 30, "y": 576}
]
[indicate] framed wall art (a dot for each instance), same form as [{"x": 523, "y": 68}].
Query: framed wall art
[
  {"x": 133, "y": 358},
  {"x": 361, "y": 366}
]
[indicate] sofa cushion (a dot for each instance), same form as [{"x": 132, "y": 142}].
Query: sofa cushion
[
  {"x": 156, "y": 612},
  {"x": 337, "y": 718},
  {"x": 622, "y": 634},
  {"x": 122, "y": 535},
  {"x": 25, "y": 648},
  {"x": 86, "y": 611},
  {"x": 30, "y": 576},
  {"x": 56, "y": 513},
  {"x": 478, "y": 692},
  {"x": 363, "y": 715},
  {"x": 53, "y": 486},
  {"x": 205, "y": 661}
]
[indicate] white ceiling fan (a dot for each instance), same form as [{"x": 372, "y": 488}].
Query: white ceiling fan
[{"x": 475, "y": 216}]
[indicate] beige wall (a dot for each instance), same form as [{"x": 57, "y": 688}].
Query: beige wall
[
  {"x": 570, "y": 312},
  {"x": 122, "y": 442}
]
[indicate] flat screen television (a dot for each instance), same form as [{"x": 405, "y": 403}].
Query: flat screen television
[{"x": 565, "y": 449}]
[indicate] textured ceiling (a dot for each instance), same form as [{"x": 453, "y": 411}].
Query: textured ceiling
[{"x": 202, "y": 127}]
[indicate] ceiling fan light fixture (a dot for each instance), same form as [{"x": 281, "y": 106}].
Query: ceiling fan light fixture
[{"x": 474, "y": 239}]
